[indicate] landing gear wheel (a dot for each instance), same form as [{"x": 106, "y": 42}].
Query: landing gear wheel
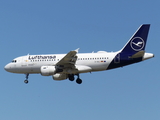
[
  {"x": 26, "y": 81},
  {"x": 71, "y": 77},
  {"x": 79, "y": 81}
]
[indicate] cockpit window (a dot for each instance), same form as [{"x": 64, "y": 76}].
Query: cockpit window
[{"x": 14, "y": 61}]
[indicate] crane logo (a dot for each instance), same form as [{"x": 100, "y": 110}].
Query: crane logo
[{"x": 137, "y": 43}]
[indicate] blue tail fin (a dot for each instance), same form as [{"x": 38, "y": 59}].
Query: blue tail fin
[
  {"x": 134, "y": 50},
  {"x": 138, "y": 41}
]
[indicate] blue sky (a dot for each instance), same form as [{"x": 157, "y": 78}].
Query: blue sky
[{"x": 42, "y": 27}]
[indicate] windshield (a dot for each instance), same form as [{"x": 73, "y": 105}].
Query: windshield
[{"x": 14, "y": 61}]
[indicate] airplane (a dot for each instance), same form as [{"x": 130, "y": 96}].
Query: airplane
[{"x": 67, "y": 66}]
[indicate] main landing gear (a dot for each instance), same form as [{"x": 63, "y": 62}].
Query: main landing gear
[
  {"x": 71, "y": 78},
  {"x": 26, "y": 81}
]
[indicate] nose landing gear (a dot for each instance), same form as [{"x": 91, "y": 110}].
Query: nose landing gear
[{"x": 26, "y": 81}]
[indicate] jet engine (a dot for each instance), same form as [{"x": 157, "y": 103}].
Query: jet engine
[
  {"x": 59, "y": 76},
  {"x": 48, "y": 70}
]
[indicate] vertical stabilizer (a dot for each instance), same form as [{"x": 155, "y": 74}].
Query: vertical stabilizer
[
  {"x": 138, "y": 41},
  {"x": 134, "y": 50}
]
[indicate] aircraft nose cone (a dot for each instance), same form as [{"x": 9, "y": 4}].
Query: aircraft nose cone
[{"x": 7, "y": 67}]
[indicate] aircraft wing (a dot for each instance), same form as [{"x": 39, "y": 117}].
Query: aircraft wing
[
  {"x": 67, "y": 64},
  {"x": 68, "y": 60}
]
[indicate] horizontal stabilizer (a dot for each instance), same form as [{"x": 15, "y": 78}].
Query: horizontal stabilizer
[{"x": 138, "y": 54}]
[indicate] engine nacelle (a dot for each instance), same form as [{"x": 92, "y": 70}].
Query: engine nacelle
[
  {"x": 59, "y": 76},
  {"x": 48, "y": 70}
]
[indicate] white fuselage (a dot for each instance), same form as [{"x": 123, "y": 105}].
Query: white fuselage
[{"x": 32, "y": 63}]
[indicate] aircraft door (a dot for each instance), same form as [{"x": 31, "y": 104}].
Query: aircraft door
[
  {"x": 24, "y": 61},
  {"x": 117, "y": 58}
]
